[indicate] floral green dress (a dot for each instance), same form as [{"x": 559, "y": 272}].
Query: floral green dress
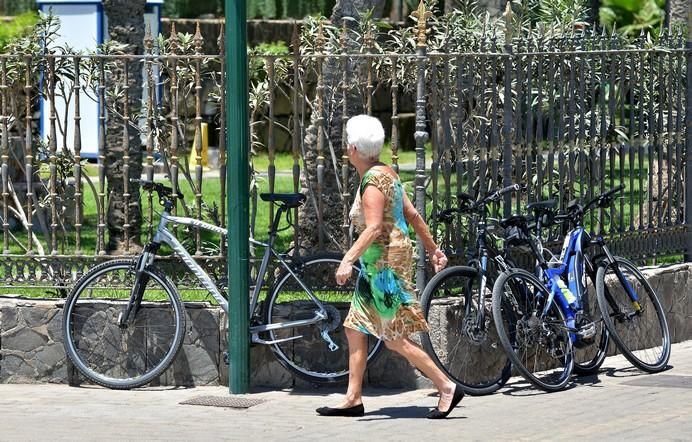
[{"x": 384, "y": 304}]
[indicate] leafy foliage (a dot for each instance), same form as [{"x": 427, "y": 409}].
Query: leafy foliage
[
  {"x": 630, "y": 17},
  {"x": 14, "y": 7},
  {"x": 19, "y": 26},
  {"x": 267, "y": 9}
]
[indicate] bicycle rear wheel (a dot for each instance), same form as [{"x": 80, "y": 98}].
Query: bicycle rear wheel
[
  {"x": 462, "y": 343},
  {"x": 638, "y": 326},
  {"x": 129, "y": 355},
  {"x": 538, "y": 344},
  {"x": 303, "y": 350}
]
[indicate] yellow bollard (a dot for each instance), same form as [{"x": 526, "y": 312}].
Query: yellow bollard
[{"x": 205, "y": 147}]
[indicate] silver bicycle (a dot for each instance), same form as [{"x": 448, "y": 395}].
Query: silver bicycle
[{"x": 124, "y": 321}]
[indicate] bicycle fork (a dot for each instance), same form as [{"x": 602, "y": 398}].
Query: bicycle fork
[
  {"x": 634, "y": 299},
  {"x": 140, "y": 284}
]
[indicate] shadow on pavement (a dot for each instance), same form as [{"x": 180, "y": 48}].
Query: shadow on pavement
[
  {"x": 408, "y": 412},
  {"x": 626, "y": 372},
  {"x": 591, "y": 380},
  {"x": 524, "y": 389},
  {"x": 147, "y": 387},
  {"x": 321, "y": 390}
]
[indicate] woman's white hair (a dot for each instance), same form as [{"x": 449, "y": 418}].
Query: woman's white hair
[{"x": 367, "y": 134}]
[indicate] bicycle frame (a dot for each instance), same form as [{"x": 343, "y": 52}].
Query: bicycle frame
[
  {"x": 572, "y": 266},
  {"x": 165, "y": 236},
  {"x": 484, "y": 256}
]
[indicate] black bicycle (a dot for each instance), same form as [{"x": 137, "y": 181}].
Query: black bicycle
[{"x": 463, "y": 341}]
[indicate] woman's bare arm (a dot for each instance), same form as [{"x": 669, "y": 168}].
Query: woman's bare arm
[
  {"x": 437, "y": 256},
  {"x": 373, "y": 204},
  {"x": 418, "y": 223}
]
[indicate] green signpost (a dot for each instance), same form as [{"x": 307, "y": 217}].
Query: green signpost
[{"x": 237, "y": 147}]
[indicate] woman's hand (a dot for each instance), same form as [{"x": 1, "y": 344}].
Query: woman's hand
[
  {"x": 343, "y": 273},
  {"x": 438, "y": 260}
]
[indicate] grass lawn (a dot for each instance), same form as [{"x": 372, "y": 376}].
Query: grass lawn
[{"x": 211, "y": 195}]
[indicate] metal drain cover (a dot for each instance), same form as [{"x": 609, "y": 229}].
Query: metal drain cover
[
  {"x": 223, "y": 401},
  {"x": 662, "y": 380}
]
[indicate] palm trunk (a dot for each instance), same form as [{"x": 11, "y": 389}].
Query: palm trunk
[
  {"x": 125, "y": 25},
  {"x": 676, "y": 11},
  {"x": 332, "y": 75}
]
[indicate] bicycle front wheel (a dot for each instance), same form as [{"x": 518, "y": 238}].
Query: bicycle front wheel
[
  {"x": 633, "y": 314},
  {"x": 122, "y": 354},
  {"x": 462, "y": 340},
  {"x": 305, "y": 350},
  {"x": 537, "y": 341}
]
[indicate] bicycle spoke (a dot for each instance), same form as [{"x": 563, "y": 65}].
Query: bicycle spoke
[
  {"x": 635, "y": 316},
  {"x": 121, "y": 355}
]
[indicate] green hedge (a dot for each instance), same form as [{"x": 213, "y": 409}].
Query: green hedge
[
  {"x": 14, "y": 7},
  {"x": 271, "y": 9},
  {"x": 17, "y": 27}
]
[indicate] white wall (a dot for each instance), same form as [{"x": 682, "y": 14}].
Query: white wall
[{"x": 80, "y": 29}]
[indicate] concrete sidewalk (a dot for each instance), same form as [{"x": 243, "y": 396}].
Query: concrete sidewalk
[{"x": 619, "y": 404}]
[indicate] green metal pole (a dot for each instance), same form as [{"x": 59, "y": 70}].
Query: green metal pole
[{"x": 237, "y": 147}]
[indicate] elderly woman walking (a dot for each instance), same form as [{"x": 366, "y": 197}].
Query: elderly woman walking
[{"x": 383, "y": 304}]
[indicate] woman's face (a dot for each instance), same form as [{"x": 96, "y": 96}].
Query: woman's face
[{"x": 351, "y": 152}]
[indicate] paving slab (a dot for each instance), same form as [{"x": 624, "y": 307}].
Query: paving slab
[{"x": 621, "y": 403}]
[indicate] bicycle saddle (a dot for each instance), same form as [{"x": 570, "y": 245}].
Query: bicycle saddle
[
  {"x": 464, "y": 197},
  {"x": 514, "y": 230},
  {"x": 514, "y": 220},
  {"x": 289, "y": 199},
  {"x": 574, "y": 205},
  {"x": 543, "y": 211},
  {"x": 541, "y": 206}
]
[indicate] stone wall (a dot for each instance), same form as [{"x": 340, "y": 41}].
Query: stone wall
[{"x": 31, "y": 349}]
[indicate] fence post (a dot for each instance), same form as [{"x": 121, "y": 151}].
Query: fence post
[
  {"x": 237, "y": 144},
  {"x": 507, "y": 111},
  {"x": 688, "y": 141},
  {"x": 421, "y": 134}
]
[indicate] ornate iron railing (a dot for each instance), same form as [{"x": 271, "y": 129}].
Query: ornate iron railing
[{"x": 566, "y": 116}]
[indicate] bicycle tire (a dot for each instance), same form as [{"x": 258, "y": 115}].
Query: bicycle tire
[
  {"x": 622, "y": 319},
  {"x": 472, "y": 356},
  {"x": 92, "y": 336},
  {"x": 307, "y": 354},
  {"x": 514, "y": 310},
  {"x": 588, "y": 359}
]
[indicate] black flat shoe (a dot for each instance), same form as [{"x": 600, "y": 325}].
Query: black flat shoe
[
  {"x": 355, "y": 411},
  {"x": 458, "y": 396}
]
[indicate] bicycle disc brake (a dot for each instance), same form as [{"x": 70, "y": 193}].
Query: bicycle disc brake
[{"x": 476, "y": 334}]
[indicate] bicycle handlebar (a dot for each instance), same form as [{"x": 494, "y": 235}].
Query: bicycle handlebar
[
  {"x": 160, "y": 189},
  {"x": 601, "y": 200},
  {"x": 465, "y": 199},
  {"x": 604, "y": 197}
]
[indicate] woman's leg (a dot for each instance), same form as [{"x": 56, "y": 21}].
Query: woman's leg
[
  {"x": 357, "y": 360},
  {"x": 421, "y": 360}
]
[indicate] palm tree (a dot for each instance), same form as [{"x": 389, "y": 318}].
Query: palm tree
[
  {"x": 677, "y": 11},
  {"x": 126, "y": 26},
  {"x": 332, "y": 124}
]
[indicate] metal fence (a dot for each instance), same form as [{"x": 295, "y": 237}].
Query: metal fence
[{"x": 567, "y": 116}]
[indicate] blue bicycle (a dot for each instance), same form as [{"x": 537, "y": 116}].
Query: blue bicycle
[{"x": 548, "y": 324}]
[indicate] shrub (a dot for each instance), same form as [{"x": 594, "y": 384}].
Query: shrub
[{"x": 19, "y": 26}]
